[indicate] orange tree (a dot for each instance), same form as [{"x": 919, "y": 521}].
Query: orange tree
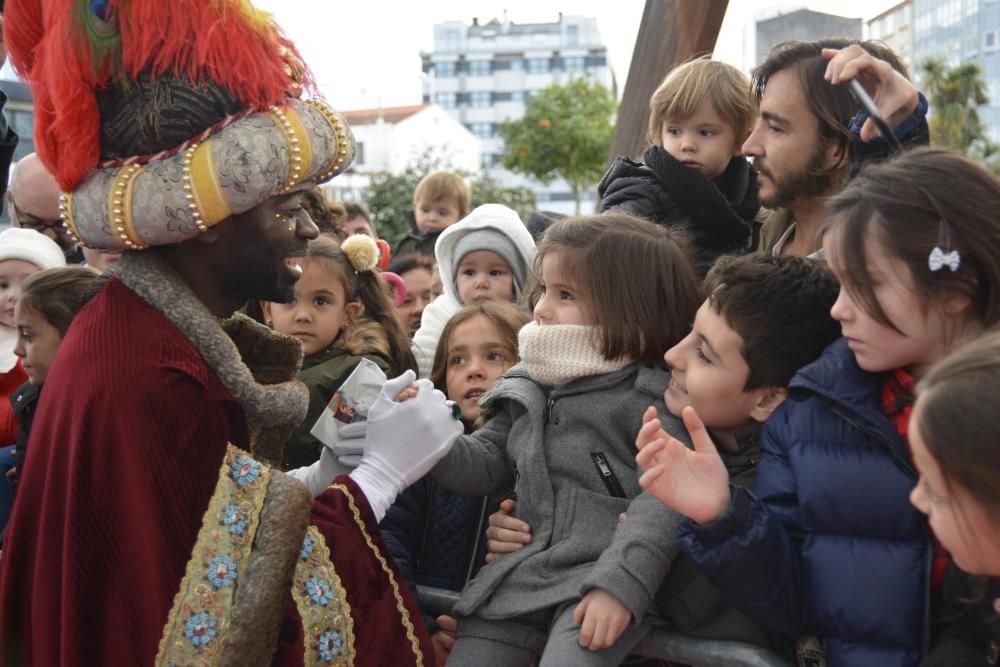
[{"x": 565, "y": 133}]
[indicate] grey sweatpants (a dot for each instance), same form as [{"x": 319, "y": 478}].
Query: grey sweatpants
[{"x": 519, "y": 642}]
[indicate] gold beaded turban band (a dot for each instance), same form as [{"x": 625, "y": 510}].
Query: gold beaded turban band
[
  {"x": 161, "y": 119},
  {"x": 201, "y": 183}
]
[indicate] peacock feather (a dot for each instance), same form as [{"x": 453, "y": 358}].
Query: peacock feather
[{"x": 96, "y": 21}]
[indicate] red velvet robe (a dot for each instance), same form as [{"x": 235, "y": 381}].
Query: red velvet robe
[{"x": 123, "y": 459}]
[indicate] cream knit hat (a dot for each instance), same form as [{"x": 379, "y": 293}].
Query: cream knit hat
[{"x": 31, "y": 246}]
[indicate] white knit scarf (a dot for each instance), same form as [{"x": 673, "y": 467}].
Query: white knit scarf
[{"x": 555, "y": 354}]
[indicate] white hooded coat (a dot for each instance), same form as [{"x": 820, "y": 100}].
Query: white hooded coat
[{"x": 436, "y": 315}]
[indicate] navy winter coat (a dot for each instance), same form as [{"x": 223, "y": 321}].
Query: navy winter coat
[
  {"x": 828, "y": 543},
  {"x": 437, "y": 538}
]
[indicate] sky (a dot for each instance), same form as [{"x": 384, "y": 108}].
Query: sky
[{"x": 367, "y": 53}]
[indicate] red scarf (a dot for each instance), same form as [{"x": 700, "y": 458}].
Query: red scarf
[{"x": 898, "y": 395}]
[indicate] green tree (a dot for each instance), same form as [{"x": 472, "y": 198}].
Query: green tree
[
  {"x": 488, "y": 190},
  {"x": 565, "y": 133},
  {"x": 390, "y": 196},
  {"x": 955, "y": 95}
]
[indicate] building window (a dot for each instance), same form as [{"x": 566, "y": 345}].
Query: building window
[
  {"x": 482, "y": 130},
  {"x": 479, "y": 68},
  {"x": 538, "y": 65},
  {"x": 990, "y": 40},
  {"x": 444, "y": 69},
  {"x": 517, "y": 96},
  {"x": 359, "y": 153},
  {"x": 447, "y": 100},
  {"x": 572, "y": 35},
  {"x": 480, "y": 98},
  {"x": 517, "y": 65},
  {"x": 452, "y": 40},
  {"x": 574, "y": 64}
]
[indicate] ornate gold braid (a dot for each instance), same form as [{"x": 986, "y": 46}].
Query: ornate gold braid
[{"x": 400, "y": 606}]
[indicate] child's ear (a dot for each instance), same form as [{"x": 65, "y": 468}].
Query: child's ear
[
  {"x": 768, "y": 400},
  {"x": 265, "y": 307},
  {"x": 352, "y": 309},
  {"x": 956, "y": 305}
]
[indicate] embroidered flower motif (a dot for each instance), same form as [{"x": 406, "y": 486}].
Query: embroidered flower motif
[
  {"x": 244, "y": 470},
  {"x": 307, "y": 548},
  {"x": 200, "y": 628},
  {"x": 319, "y": 590},
  {"x": 329, "y": 646},
  {"x": 222, "y": 571},
  {"x": 233, "y": 517}
]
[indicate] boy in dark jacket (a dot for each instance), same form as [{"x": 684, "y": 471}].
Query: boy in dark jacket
[
  {"x": 764, "y": 318},
  {"x": 440, "y": 200},
  {"x": 694, "y": 175}
]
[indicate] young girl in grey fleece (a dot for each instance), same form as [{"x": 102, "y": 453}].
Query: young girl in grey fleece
[{"x": 613, "y": 293}]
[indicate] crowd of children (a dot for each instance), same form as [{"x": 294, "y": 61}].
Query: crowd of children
[{"x": 669, "y": 420}]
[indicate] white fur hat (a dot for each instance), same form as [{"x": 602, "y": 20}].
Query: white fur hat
[{"x": 31, "y": 246}]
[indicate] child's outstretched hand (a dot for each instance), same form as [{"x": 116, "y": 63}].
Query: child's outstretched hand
[
  {"x": 602, "y": 619},
  {"x": 694, "y": 483}
]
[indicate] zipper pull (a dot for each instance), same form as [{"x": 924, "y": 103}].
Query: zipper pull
[
  {"x": 611, "y": 482},
  {"x": 548, "y": 409}
]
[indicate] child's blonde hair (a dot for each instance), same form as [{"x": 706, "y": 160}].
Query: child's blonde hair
[
  {"x": 442, "y": 185},
  {"x": 688, "y": 85}
]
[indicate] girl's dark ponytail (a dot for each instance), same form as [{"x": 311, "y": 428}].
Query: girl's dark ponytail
[{"x": 373, "y": 293}]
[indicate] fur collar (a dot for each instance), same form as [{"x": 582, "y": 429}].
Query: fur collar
[
  {"x": 269, "y": 396},
  {"x": 364, "y": 336}
]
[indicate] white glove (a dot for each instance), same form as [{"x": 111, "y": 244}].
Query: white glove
[
  {"x": 404, "y": 440},
  {"x": 351, "y": 439},
  {"x": 318, "y": 476}
]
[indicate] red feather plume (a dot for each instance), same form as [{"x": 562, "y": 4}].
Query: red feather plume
[{"x": 225, "y": 41}]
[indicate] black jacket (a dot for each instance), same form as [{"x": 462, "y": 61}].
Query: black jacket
[
  {"x": 717, "y": 218},
  {"x": 968, "y": 631},
  {"x": 417, "y": 243},
  {"x": 25, "y": 402}
]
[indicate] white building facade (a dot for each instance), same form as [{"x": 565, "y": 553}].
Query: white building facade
[
  {"x": 894, "y": 26},
  {"x": 482, "y": 74},
  {"x": 391, "y": 139}
]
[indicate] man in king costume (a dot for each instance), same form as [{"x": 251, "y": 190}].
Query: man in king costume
[{"x": 150, "y": 526}]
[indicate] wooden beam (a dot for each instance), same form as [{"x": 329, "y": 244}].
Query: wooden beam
[{"x": 671, "y": 31}]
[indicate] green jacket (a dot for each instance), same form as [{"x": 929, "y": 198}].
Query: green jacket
[
  {"x": 322, "y": 373},
  {"x": 693, "y": 605},
  {"x": 772, "y": 225}
]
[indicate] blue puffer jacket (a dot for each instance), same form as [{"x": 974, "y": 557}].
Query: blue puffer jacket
[
  {"x": 828, "y": 543},
  {"x": 437, "y": 538}
]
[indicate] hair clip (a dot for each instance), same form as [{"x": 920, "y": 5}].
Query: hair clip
[{"x": 939, "y": 258}]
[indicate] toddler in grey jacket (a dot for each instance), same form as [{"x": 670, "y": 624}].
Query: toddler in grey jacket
[{"x": 562, "y": 435}]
